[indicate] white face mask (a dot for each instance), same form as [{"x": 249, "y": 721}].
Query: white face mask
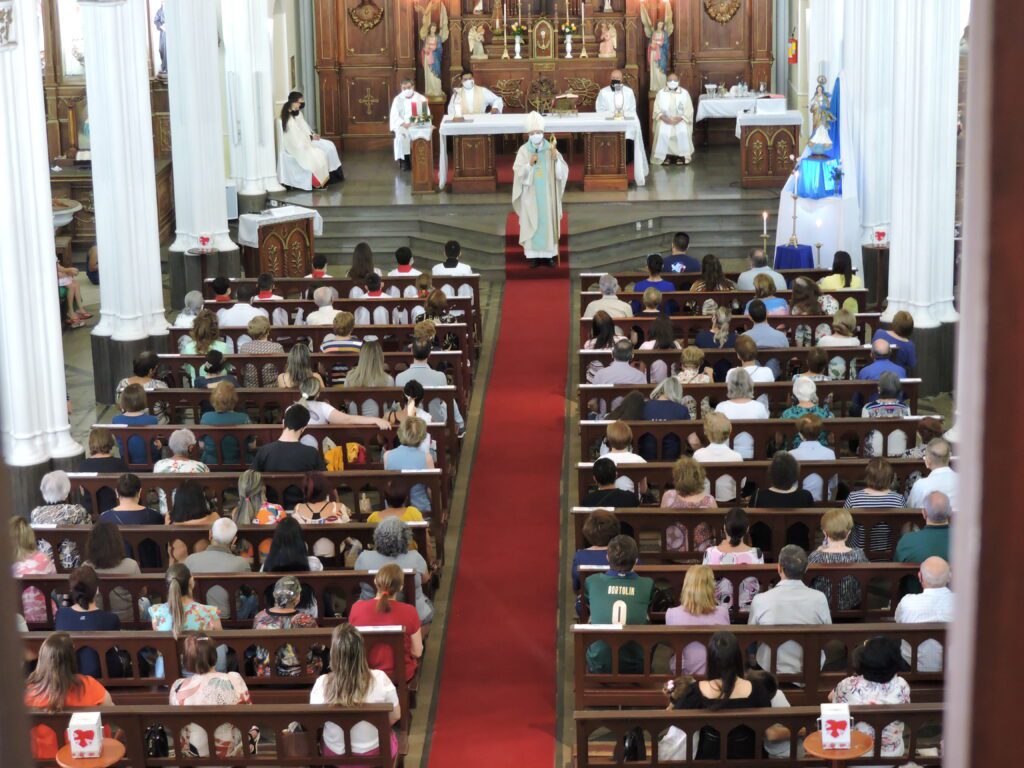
[
  {"x": 536, "y": 139},
  {"x": 407, "y": 92},
  {"x": 467, "y": 84},
  {"x": 673, "y": 84}
]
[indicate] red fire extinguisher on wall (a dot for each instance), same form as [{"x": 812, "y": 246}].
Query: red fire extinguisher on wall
[{"x": 792, "y": 48}]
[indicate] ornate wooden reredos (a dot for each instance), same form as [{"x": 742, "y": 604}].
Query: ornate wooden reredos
[{"x": 365, "y": 47}]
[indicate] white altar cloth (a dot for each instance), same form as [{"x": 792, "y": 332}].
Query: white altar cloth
[
  {"x": 249, "y": 223},
  {"x": 792, "y": 117},
  {"x": 587, "y": 122}
]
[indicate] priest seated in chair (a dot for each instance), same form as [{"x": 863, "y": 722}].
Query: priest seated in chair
[
  {"x": 315, "y": 156},
  {"x": 473, "y": 99}
]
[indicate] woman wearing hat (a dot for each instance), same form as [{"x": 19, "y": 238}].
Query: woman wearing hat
[{"x": 284, "y": 614}]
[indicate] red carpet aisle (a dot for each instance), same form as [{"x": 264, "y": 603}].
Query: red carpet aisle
[{"x": 497, "y": 698}]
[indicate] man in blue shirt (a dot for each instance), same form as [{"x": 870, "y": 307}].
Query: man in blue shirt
[
  {"x": 679, "y": 261},
  {"x": 880, "y": 354},
  {"x": 655, "y": 263}
]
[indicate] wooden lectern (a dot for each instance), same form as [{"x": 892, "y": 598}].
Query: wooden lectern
[
  {"x": 604, "y": 165},
  {"x": 285, "y": 249},
  {"x": 765, "y": 152},
  {"x": 422, "y": 152}
]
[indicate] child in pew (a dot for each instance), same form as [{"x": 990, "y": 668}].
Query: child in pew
[{"x": 776, "y": 737}]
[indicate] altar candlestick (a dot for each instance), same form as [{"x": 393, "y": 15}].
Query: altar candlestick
[
  {"x": 520, "y": 11},
  {"x": 764, "y": 218}
]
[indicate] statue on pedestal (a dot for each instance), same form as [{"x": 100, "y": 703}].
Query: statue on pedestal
[
  {"x": 607, "y": 49},
  {"x": 433, "y": 37},
  {"x": 475, "y": 37},
  {"x": 821, "y": 118},
  {"x": 658, "y": 54}
]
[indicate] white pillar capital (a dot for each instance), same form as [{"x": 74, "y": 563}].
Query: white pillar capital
[
  {"x": 33, "y": 393},
  {"x": 123, "y": 170},
  {"x": 196, "y": 124}
]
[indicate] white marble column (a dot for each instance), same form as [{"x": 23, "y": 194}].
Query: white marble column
[
  {"x": 124, "y": 181},
  {"x": 249, "y": 69},
  {"x": 33, "y": 393},
  {"x": 924, "y": 90},
  {"x": 197, "y": 150}
]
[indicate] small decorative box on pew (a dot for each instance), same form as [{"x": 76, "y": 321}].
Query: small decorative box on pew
[
  {"x": 85, "y": 735},
  {"x": 835, "y": 724}
]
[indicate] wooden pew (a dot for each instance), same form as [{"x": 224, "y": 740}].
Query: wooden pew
[
  {"x": 268, "y": 688},
  {"x": 249, "y": 437},
  {"x": 811, "y": 686},
  {"x": 649, "y": 526},
  {"x": 296, "y": 286},
  {"x": 179, "y": 368},
  {"x": 218, "y": 485},
  {"x": 840, "y": 393},
  {"x": 659, "y": 474},
  {"x": 860, "y": 295},
  {"x": 685, "y": 327},
  {"x": 683, "y": 280},
  {"x": 163, "y": 535},
  {"x": 325, "y": 585},
  {"x": 794, "y": 359},
  {"x": 600, "y": 734},
  {"x": 879, "y": 585},
  {"x": 272, "y": 718},
  {"x": 763, "y": 431}
]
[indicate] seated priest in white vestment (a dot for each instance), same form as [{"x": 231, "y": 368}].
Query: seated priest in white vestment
[
  {"x": 538, "y": 183},
  {"x": 316, "y": 155},
  {"x": 407, "y": 106},
  {"x": 616, "y": 97},
  {"x": 673, "y": 124},
  {"x": 473, "y": 99}
]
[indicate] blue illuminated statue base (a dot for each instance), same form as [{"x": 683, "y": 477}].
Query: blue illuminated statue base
[{"x": 820, "y": 176}]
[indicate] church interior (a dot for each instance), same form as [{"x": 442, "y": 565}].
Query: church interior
[{"x": 566, "y": 382}]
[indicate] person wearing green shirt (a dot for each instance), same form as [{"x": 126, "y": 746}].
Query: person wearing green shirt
[
  {"x": 618, "y": 596},
  {"x": 930, "y": 541}
]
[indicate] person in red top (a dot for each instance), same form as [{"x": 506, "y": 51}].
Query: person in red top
[
  {"x": 385, "y": 610},
  {"x": 375, "y": 287},
  {"x": 55, "y": 685},
  {"x": 265, "y": 284}
]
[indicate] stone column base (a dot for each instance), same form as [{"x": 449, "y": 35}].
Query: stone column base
[
  {"x": 936, "y": 366},
  {"x": 187, "y": 270},
  {"x": 112, "y": 361},
  {"x": 24, "y": 486}
]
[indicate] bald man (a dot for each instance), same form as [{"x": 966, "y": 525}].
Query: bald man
[
  {"x": 880, "y": 350},
  {"x": 934, "y": 604},
  {"x": 616, "y": 97}
]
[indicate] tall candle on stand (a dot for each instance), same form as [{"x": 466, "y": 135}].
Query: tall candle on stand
[
  {"x": 520, "y": 11},
  {"x": 764, "y": 218}
]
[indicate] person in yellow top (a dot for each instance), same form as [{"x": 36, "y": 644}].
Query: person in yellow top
[
  {"x": 842, "y": 277},
  {"x": 396, "y": 504}
]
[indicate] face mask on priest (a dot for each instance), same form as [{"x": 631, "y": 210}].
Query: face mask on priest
[
  {"x": 467, "y": 84},
  {"x": 536, "y": 139},
  {"x": 407, "y": 92},
  {"x": 673, "y": 85}
]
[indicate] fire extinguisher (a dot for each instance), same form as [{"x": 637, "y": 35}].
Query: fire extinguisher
[{"x": 792, "y": 47}]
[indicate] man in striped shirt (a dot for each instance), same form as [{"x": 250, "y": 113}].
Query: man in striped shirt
[{"x": 341, "y": 340}]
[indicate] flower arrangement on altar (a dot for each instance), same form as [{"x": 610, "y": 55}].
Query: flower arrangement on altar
[
  {"x": 422, "y": 118},
  {"x": 517, "y": 29},
  {"x": 568, "y": 28}
]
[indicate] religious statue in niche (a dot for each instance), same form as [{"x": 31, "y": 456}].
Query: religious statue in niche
[
  {"x": 478, "y": 9},
  {"x": 659, "y": 33},
  {"x": 433, "y": 36},
  {"x": 609, "y": 36},
  {"x": 475, "y": 37},
  {"x": 821, "y": 118},
  {"x": 159, "y": 21}
]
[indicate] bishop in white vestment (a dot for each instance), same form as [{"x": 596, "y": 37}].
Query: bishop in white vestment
[
  {"x": 473, "y": 99},
  {"x": 673, "y": 121},
  {"x": 407, "y": 105},
  {"x": 316, "y": 155},
  {"x": 538, "y": 183}
]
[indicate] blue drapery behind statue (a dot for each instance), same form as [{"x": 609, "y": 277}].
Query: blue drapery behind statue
[{"x": 820, "y": 175}]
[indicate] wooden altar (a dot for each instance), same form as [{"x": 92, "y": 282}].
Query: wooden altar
[
  {"x": 365, "y": 47},
  {"x": 765, "y": 152}
]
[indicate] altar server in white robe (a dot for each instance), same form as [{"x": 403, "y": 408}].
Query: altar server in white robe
[
  {"x": 473, "y": 99},
  {"x": 407, "y": 105},
  {"x": 316, "y": 155},
  {"x": 538, "y": 183},
  {"x": 673, "y": 120},
  {"x": 617, "y": 97}
]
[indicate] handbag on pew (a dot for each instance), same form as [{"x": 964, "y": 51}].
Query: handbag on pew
[
  {"x": 633, "y": 746},
  {"x": 119, "y": 662},
  {"x": 156, "y": 742},
  {"x": 295, "y": 742}
]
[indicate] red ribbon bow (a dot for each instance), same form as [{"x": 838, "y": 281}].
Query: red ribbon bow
[
  {"x": 835, "y": 727},
  {"x": 84, "y": 737}
]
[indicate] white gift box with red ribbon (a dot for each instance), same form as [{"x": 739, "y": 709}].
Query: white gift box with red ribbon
[
  {"x": 85, "y": 735},
  {"x": 835, "y": 726}
]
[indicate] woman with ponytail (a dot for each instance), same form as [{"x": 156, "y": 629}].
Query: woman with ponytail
[
  {"x": 253, "y": 507},
  {"x": 734, "y": 551},
  {"x": 181, "y": 613},
  {"x": 351, "y": 683},
  {"x": 720, "y": 336},
  {"x": 82, "y": 615},
  {"x": 55, "y": 686},
  {"x": 388, "y": 608}
]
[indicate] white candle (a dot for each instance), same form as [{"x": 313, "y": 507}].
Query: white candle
[
  {"x": 817, "y": 223},
  {"x": 764, "y": 219}
]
